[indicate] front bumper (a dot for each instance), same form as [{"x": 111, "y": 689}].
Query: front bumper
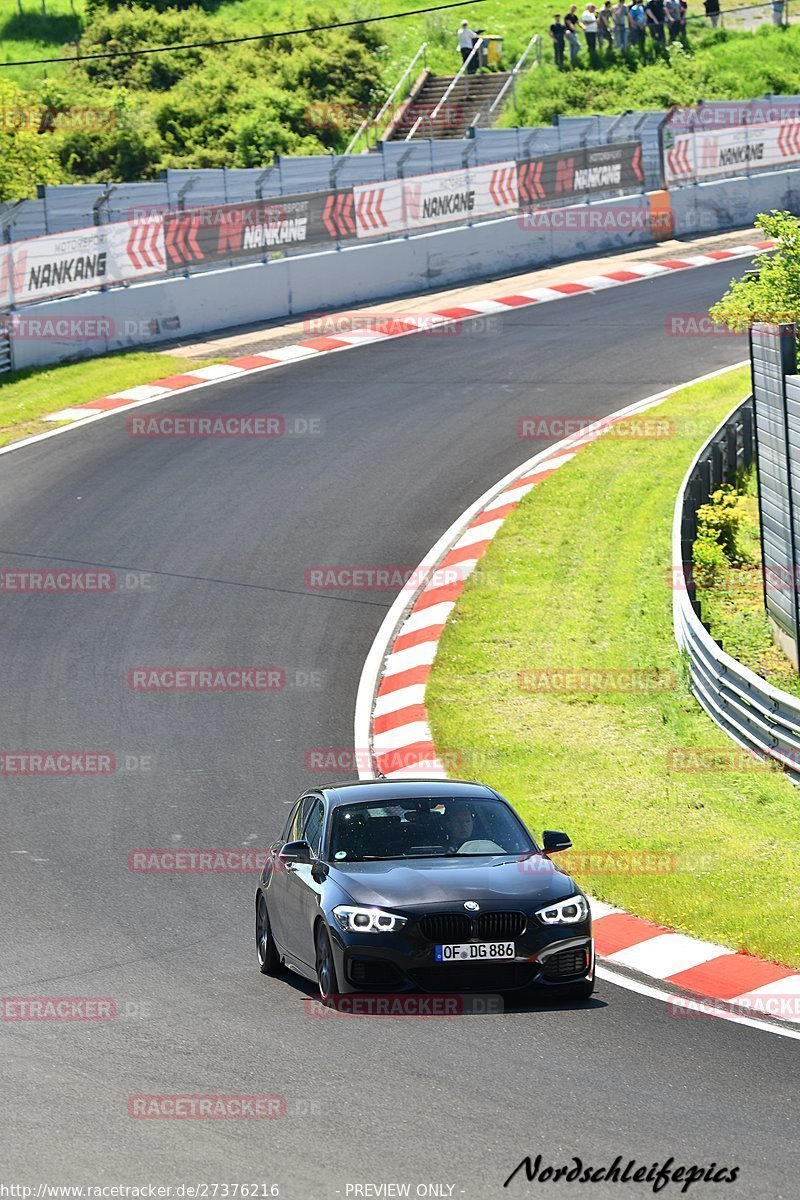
[{"x": 546, "y": 957}]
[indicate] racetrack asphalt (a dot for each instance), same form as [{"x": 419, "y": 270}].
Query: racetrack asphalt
[{"x": 225, "y": 531}]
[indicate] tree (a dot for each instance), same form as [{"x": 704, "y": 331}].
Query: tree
[{"x": 770, "y": 292}]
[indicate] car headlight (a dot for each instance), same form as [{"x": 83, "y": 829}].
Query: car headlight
[
  {"x": 564, "y": 912},
  {"x": 366, "y": 920}
]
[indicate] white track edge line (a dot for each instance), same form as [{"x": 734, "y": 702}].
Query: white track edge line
[{"x": 655, "y": 993}]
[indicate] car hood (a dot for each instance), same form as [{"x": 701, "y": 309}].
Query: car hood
[{"x": 433, "y": 881}]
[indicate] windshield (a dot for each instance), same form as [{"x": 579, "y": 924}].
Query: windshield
[{"x": 426, "y": 828}]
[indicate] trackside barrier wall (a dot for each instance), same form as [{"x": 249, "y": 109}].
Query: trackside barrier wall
[
  {"x": 146, "y": 314},
  {"x": 162, "y": 310},
  {"x": 776, "y": 386},
  {"x": 758, "y": 716},
  {"x": 732, "y": 203},
  {"x": 157, "y": 243}
]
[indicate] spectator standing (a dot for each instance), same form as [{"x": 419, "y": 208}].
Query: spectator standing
[
  {"x": 654, "y": 13},
  {"x": 605, "y": 23},
  {"x": 573, "y": 41},
  {"x": 638, "y": 21},
  {"x": 777, "y": 12},
  {"x": 589, "y": 27},
  {"x": 684, "y": 7},
  {"x": 712, "y": 11},
  {"x": 672, "y": 13},
  {"x": 558, "y": 32},
  {"x": 620, "y": 12},
  {"x": 466, "y": 40}
]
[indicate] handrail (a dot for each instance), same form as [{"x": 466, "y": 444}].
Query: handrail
[
  {"x": 478, "y": 43},
  {"x": 515, "y": 71},
  {"x": 372, "y": 122}
]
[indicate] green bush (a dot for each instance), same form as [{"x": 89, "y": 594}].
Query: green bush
[
  {"x": 27, "y": 157},
  {"x": 708, "y": 562},
  {"x": 719, "y": 521}
]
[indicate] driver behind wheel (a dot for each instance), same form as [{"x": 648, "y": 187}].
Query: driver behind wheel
[{"x": 459, "y": 823}]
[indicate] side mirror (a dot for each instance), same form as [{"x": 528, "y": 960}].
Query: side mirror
[
  {"x": 553, "y": 841},
  {"x": 296, "y": 852}
]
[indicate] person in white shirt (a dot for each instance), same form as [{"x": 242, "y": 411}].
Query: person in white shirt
[
  {"x": 589, "y": 23},
  {"x": 466, "y": 40}
]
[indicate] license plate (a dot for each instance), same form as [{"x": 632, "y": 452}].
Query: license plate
[{"x": 472, "y": 951}]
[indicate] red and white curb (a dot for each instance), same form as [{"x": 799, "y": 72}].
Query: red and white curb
[
  {"x": 392, "y": 722},
  {"x": 384, "y": 328}
]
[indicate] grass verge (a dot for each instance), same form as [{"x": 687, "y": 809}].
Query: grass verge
[
  {"x": 578, "y": 577},
  {"x": 27, "y": 396}
]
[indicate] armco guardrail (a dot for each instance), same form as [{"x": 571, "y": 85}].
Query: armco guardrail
[
  {"x": 158, "y": 243},
  {"x": 756, "y": 715}
]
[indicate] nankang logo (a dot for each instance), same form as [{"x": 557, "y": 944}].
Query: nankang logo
[{"x": 736, "y": 154}]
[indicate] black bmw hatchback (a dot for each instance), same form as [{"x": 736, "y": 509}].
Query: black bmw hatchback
[{"x": 420, "y": 885}]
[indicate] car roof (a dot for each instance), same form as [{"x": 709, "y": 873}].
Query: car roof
[{"x": 379, "y": 790}]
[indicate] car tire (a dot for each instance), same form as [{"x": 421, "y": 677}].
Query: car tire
[
  {"x": 268, "y": 958},
  {"x": 325, "y": 965}
]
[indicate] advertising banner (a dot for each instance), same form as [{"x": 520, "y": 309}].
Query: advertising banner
[
  {"x": 403, "y": 205},
  {"x": 578, "y": 173},
  {"x": 710, "y": 154},
  {"x": 230, "y": 231},
  {"x": 85, "y": 258}
]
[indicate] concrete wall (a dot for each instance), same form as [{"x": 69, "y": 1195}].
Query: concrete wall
[
  {"x": 733, "y": 203},
  {"x": 147, "y": 314}
]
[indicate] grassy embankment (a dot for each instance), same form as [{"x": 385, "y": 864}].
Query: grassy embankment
[
  {"x": 30, "y": 395},
  {"x": 239, "y": 106}
]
